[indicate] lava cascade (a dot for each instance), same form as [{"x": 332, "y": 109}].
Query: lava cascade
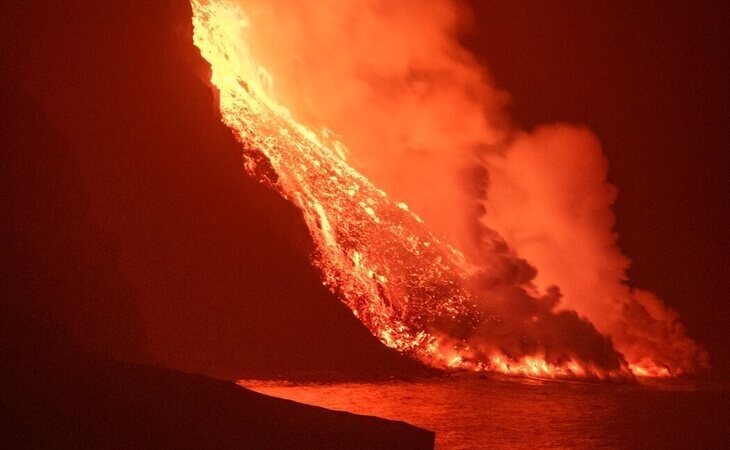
[{"x": 410, "y": 286}]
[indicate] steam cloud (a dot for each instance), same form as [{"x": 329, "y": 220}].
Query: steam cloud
[{"x": 530, "y": 209}]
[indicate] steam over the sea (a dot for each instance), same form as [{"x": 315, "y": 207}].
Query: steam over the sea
[{"x": 531, "y": 209}]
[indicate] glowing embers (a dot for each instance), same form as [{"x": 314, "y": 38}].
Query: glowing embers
[
  {"x": 406, "y": 285},
  {"x": 396, "y": 276}
]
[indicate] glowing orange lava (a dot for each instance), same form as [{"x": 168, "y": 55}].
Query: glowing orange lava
[{"x": 405, "y": 283}]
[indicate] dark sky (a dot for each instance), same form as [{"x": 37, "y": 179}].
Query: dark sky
[{"x": 650, "y": 78}]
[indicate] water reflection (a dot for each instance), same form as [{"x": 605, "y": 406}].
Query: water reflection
[{"x": 470, "y": 413}]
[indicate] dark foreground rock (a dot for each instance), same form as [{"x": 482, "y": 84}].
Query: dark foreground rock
[{"x": 86, "y": 403}]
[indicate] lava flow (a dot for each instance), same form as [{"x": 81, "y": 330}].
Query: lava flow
[
  {"x": 409, "y": 285},
  {"x": 399, "y": 279}
]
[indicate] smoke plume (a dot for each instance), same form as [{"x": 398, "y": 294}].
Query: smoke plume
[{"x": 530, "y": 209}]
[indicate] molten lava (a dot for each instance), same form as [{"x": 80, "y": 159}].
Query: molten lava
[
  {"x": 398, "y": 278},
  {"x": 407, "y": 284}
]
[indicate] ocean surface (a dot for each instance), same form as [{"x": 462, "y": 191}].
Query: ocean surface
[{"x": 507, "y": 413}]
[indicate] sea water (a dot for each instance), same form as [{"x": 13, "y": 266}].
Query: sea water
[{"x": 505, "y": 413}]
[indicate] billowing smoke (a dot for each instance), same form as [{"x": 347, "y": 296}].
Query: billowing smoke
[
  {"x": 549, "y": 198},
  {"x": 531, "y": 210}
]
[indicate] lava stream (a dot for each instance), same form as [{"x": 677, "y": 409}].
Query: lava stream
[{"x": 407, "y": 285}]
